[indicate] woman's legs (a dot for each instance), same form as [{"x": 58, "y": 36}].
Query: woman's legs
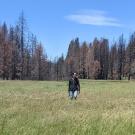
[{"x": 73, "y": 94}]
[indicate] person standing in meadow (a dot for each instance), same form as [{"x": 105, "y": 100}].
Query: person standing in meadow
[{"x": 74, "y": 87}]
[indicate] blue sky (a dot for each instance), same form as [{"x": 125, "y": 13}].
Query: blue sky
[{"x": 57, "y": 22}]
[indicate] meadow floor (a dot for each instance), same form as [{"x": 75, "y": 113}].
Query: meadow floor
[{"x": 43, "y": 108}]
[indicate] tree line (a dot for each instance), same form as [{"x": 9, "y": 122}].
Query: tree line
[{"x": 23, "y": 57}]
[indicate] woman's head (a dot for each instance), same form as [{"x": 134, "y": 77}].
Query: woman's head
[{"x": 74, "y": 75}]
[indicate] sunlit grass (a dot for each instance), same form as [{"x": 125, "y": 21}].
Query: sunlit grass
[{"x": 43, "y": 108}]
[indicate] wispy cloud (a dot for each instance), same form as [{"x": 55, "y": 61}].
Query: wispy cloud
[{"x": 94, "y": 17}]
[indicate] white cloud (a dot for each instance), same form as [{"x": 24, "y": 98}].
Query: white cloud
[{"x": 94, "y": 17}]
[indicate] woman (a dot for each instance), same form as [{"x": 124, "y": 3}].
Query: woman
[{"x": 74, "y": 86}]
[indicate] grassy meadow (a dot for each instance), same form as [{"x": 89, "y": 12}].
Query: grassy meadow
[{"x": 43, "y": 108}]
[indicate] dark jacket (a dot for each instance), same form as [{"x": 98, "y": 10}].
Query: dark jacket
[{"x": 74, "y": 84}]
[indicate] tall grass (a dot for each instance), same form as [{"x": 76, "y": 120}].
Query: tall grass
[{"x": 43, "y": 108}]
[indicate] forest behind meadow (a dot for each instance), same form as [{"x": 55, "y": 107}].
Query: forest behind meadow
[{"x": 23, "y": 57}]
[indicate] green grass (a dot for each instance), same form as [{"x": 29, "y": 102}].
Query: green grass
[{"x": 43, "y": 108}]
